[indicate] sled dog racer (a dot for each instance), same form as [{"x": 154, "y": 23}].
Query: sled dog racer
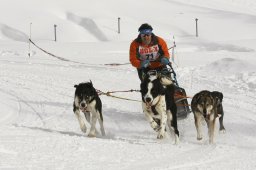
[{"x": 148, "y": 51}]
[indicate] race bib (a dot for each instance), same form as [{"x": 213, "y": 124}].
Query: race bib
[{"x": 149, "y": 53}]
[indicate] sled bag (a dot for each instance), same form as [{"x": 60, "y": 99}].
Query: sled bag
[{"x": 180, "y": 98}]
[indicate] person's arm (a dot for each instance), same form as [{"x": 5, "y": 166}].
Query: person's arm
[
  {"x": 133, "y": 58},
  {"x": 164, "y": 47}
]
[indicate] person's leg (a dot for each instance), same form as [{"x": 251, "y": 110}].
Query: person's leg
[{"x": 141, "y": 73}]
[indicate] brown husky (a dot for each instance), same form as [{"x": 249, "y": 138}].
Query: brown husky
[{"x": 207, "y": 105}]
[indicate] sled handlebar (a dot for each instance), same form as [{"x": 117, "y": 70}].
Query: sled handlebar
[
  {"x": 170, "y": 65},
  {"x": 174, "y": 74}
]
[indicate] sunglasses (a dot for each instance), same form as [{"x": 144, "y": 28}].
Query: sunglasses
[{"x": 145, "y": 35}]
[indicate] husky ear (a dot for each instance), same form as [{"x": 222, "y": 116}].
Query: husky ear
[
  {"x": 75, "y": 85},
  {"x": 199, "y": 97},
  {"x": 91, "y": 83},
  {"x": 218, "y": 96}
]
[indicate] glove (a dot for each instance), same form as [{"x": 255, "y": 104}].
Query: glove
[
  {"x": 165, "y": 61},
  {"x": 144, "y": 64}
]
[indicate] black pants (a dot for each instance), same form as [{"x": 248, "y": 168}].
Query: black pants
[{"x": 168, "y": 95}]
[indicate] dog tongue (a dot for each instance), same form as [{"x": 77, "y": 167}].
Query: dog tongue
[
  {"x": 83, "y": 109},
  {"x": 148, "y": 105}
]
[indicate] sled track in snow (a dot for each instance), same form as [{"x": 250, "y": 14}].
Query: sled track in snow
[{"x": 22, "y": 102}]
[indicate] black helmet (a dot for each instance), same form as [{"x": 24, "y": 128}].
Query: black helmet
[{"x": 145, "y": 26}]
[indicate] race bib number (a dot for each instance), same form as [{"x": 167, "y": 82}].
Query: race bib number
[{"x": 149, "y": 53}]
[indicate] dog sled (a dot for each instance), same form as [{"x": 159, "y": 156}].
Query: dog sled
[{"x": 180, "y": 96}]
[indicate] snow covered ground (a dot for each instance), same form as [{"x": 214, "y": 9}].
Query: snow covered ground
[{"x": 38, "y": 129}]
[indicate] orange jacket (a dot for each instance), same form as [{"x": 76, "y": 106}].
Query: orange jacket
[{"x": 154, "y": 51}]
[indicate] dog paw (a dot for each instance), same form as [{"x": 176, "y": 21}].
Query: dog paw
[
  {"x": 199, "y": 138},
  {"x": 91, "y": 135},
  {"x": 155, "y": 126},
  {"x": 211, "y": 142},
  {"x": 223, "y": 131},
  {"x": 161, "y": 135},
  {"x": 84, "y": 129},
  {"x": 177, "y": 140}
]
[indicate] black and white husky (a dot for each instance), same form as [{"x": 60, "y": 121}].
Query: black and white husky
[
  {"x": 208, "y": 106},
  {"x": 87, "y": 101},
  {"x": 153, "y": 89}
]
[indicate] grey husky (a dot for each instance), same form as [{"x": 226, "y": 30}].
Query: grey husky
[{"x": 208, "y": 106}]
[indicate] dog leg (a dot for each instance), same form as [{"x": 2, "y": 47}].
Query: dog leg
[
  {"x": 174, "y": 123},
  {"x": 81, "y": 122},
  {"x": 152, "y": 122},
  {"x": 169, "y": 119},
  {"x": 87, "y": 116},
  {"x": 100, "y": 119},
  {"x": 173, "y": 114},
  {"x": 161, "y": 109},
  {"x": 211, "y": 128},
  {"x": 93, "y": 124},
  {"x": 197, "y": 116},
  {"x": 175, "y": 133},
  {"x": 222, "y": 128},
  {"x": 161, "y": 132}
]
